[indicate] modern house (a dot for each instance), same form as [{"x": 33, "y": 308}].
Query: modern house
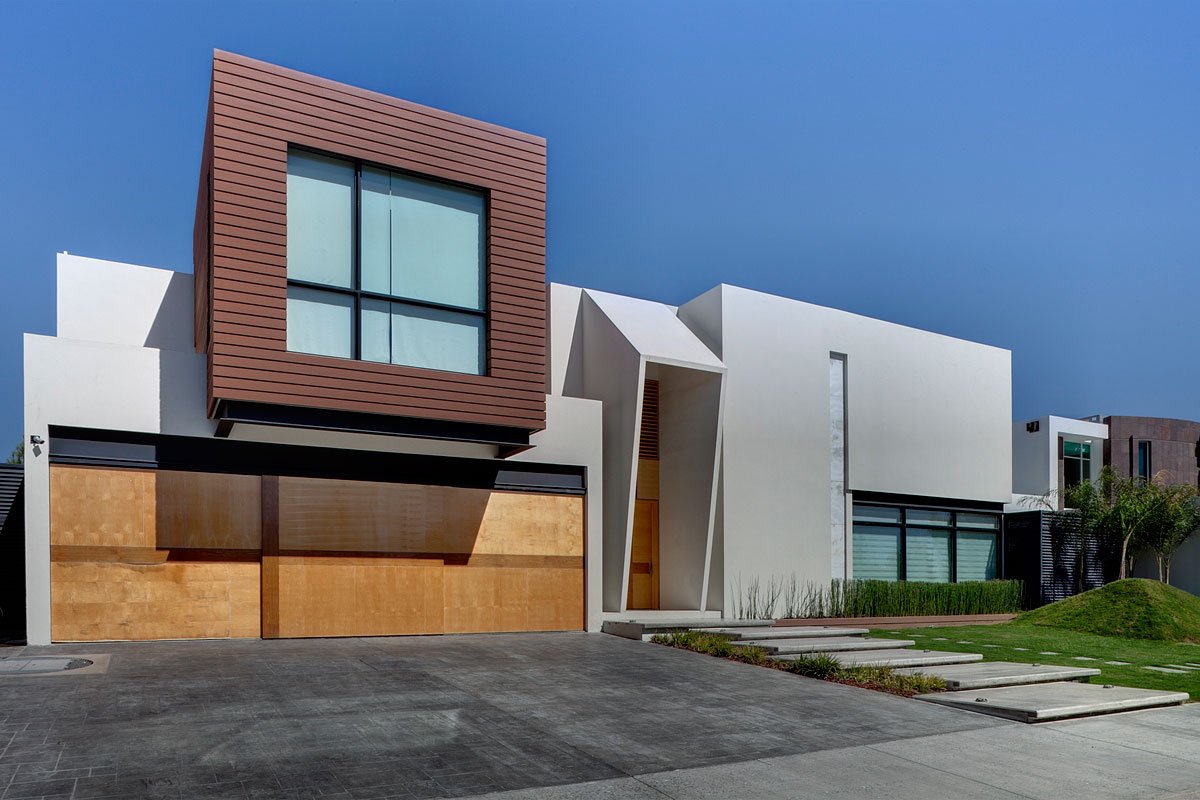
[
  {"x": 365, "y": 412},
  {"x": 1051, "y": 454}
]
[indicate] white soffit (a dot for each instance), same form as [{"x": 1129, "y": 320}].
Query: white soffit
[{"x": 655, "y": 331}]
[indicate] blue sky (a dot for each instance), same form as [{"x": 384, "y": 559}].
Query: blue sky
[{"x": 1025, "y": 174}]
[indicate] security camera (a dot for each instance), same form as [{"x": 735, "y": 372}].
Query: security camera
[{"x": 35, "y": 439}]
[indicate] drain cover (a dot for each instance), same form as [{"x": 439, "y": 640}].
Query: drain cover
[{"x": 34, "y": 665}]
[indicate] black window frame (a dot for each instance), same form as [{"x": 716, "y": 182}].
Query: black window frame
[
  {"x": 1084, "y": 462},
  {"x": 953, "y": 528},
  {"x": 1143, "y": 446},
  {"x": 356, "y": 291}
]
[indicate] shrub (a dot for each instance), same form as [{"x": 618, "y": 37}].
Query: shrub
[
  {"x": 787, "y": 598},
  {"x": 821, "y": 666}
]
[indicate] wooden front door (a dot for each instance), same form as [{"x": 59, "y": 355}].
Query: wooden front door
[{"x": 643, "y": 561}]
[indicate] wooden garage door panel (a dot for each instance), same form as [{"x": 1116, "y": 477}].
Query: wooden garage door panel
[
  {"x": 347, "y": 596},
  {"x": 522, "y": 523},
  {"x": 512, "y": 561},
  {"x": 101, "y": 507},
  {"x": 495, "y": 599},
  {"x": 178, "y": 600},
  {"x": 208, "y": 510},
  {"x": 363, "y": 516}
]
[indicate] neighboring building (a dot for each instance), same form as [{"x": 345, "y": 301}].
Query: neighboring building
[
  {"x": 1050, "y": 454},
  {"x": 362, "y": 416}
]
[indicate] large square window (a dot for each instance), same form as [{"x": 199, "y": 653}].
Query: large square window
[{"x": 384, "y": 266}]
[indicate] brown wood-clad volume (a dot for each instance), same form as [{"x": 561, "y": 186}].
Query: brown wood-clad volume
[{"x": 258, "y": 110}]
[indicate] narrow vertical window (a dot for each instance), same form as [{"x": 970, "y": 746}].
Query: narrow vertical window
[
  {"x": 1143, "y": 460},
  {"x": 837, "y": 465}
]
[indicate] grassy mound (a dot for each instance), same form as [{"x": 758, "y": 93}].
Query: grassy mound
[{"x": 1134, "y": 608}]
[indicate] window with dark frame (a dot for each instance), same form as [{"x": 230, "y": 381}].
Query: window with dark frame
[
  {"x": 898, "y": 543},
  {"x": 384, "y": 266},
  {"x": 1143, "y": 460},
  {"x": 1077, "y": 463}
]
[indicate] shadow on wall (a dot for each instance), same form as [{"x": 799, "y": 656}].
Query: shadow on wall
[
  {"x": 182, "y": 389},
  {"x": 172, "y": 328}
]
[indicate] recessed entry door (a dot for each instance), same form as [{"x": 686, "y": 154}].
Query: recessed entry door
[{"x": 643, "y": 562}]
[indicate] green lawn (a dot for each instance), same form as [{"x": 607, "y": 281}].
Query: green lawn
[{"x": 1139, "y": 652}]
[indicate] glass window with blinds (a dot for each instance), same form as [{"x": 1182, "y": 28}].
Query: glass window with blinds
[
  {"x": 384, "y": 266},
  {"x": 895, "y": 543}
]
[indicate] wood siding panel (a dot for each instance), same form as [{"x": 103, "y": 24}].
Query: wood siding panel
[
  {"x": 140, "y": 554},
  {"x": 359, "y": 558},
  {"x": 258, "y": 110}
]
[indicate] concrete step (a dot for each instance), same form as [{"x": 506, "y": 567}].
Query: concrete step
[
  {"x": 790, "y": 633},
  {"x": 990, "y": 674},
  {"x": 896, "y": 658},
  {"x": 827, "y": 644},
  {"x": 641, "y": 628},
  {"x": 1042, "y": 702}
]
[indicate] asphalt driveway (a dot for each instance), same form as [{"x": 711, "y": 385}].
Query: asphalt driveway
[{"x": 554, "y": 715}]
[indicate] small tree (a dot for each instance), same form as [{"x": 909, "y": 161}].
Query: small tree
[
  {"x": 17, "y": 456},
  {"x": 1175, "y": 518}
]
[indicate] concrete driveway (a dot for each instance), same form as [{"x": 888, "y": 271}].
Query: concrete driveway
[{"x": 534, "y": 716}]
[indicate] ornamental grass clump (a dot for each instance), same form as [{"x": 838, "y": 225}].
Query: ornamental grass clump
[{"x": 787, "y": 598}]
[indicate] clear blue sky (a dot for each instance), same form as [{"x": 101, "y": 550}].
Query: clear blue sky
[{"x": 1024, "y": 174}]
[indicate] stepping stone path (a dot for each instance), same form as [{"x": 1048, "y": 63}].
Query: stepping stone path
[
  {"x": 1118, "y": 663},
  {"x": 1181, "y": 666},
  {"x": 1020, "y": 648},
  {"x": 1024, "y": 692},
  {"x": 1083, "y": 658},
  {"x": 989, "y": 645},
  {"x": 1049, "y": 653}
]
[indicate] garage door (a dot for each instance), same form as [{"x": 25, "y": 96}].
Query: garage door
[
  {"x": 360, "y": 558},
  {"x": 154, "y": 554}
]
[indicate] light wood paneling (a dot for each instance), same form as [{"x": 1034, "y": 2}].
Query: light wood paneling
[
  {"x": 349, "y": 596},
  {"x": 477, "y": 561},
  {"x": 522, "y": 523},
  {"x": 494, "y": 599},
  {"x": 101, "y": 601},
  {"x": 200, "y": 509},
  {"x": 643, "y": 560},
  {"x": 101, "y": 507},
  {"x": 139, "y": 554},
  {"x": 647, "y": 479}
]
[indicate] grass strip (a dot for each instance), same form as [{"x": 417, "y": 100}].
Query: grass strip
[
  {"x": 1036, "y": 641},
  {"x": 819, "y": 665}
]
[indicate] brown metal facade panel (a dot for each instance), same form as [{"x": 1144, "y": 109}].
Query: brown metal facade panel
[
  {"x": 257, "y": 111},
  {"x": 1174, "y": 446}
]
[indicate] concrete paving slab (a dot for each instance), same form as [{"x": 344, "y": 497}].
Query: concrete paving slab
[
  {"x": 1168, "y": 669},
  {"x": 1048, "y": 763},
  {"x": 1117, "y": 663},
  {"x": 989, "y": 674},
  {"x": 639, "y": 628},
  {"x": 899, "y": 658},
  {"x": 796, "y": 632},
  {"x": 1049, "y": 701},
  {"x": 828, "y": 644}
]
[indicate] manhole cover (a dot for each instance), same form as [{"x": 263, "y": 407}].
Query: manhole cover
[{"x": 33, "y": 665}]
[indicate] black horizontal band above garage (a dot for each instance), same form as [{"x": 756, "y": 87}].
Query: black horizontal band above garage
[
  {"x": 231, "y": 412},
  {"x": 131, "y": 450}
]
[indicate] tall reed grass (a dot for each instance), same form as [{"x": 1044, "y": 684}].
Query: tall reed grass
[{"x": 787, "y": 598}]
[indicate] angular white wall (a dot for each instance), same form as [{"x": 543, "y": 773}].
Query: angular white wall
[{"x": 926, "y": 415}]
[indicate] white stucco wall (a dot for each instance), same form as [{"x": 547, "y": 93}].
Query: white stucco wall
[
  {"x": 927, "y": 415},
  {"x": 1035, "y": 454}
]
